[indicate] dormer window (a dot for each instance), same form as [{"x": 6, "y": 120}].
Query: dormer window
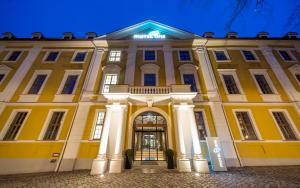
[
  {"x": 115, "y": 56},
  {"x": 184, "y": 55},
  {"x": 149, "y": 55}
]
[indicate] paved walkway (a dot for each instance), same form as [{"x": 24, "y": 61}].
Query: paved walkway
[{"x": 156, "y": 176}]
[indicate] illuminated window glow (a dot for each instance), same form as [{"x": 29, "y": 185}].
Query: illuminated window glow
[
  {"x": 150, "y": 35},
  {"x": 99, "y": 125},
  {"x": 110, "y": 79},
  {"x": 115, "y": 56}
]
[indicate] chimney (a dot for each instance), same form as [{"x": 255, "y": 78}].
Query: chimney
[
  {"x": 291, "y": 35},
  {"x": 91, "y": 35},
  {"x": 68, "y": 35},
  {"x": 263, "y": 35},
  {"x": 8, "y": 35},
  {"x": 208, "y": 35},
  {"x": 232, "y": 35},
  {"x": 37, "y": 35}
]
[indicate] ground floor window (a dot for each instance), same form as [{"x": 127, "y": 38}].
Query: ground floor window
[
  {"x": 200, "y": 125},
  {"x": 98, "y": 125}
]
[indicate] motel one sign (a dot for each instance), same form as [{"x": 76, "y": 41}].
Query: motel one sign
[{"x": 150, "y": 35}]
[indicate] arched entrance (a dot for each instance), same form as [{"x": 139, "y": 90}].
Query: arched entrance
[{"x": 149, "y": 136}]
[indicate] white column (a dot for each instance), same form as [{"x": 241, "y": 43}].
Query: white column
[
  {"x": 130, "y": 66},
  {"x": 18, "y": 77},
  {"x": 73, "y": 143},
  {"x": 188, "y": 140},
  {"x": 112, "y": 141},
  {"x": 169, "y": 65},
  {"x": 223, "y": 133},
  {"x": 279, "y": 72}
]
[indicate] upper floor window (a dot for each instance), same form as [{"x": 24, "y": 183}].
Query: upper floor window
[
  {"x": 149, "y": 79},
  {"x": 284, "y": 126},
  {"x": 15, "y": 126},
  {"x": 69, "y": 84},
  {"x": 37, "y": 84},
  {"x": 189, "y": 79},
  {"x": 200, "y": 125},
  {"x": 79, "y": 57},
  {"x": 98, "y": 125},
  {"x": 2, "y": 77},
  {"x": 52, "y": 56},
  {"x": 249, "y": 55},
  {"x": 184, "y": 55},
  {"x": 297, "y": 77},
  {"x": 246, "y": 125},
  {"x": 285, "y": 55},
  {"x": 54, "y": 126},
  {"x": 115, "y": 55},
  {"x": 149, "y": 55},
  {"x": 13, "y": 56},
  {"x": 231, "y": 84},
  {"x": 110, "y": 79},
  {"x": 263, "y": 84},
  {"x": 221, "y": 55}
]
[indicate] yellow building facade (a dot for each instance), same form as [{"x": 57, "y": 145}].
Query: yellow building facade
[{"x": 69, "y": 103}]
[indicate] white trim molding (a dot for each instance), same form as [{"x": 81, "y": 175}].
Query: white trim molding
[
  {"x": 10, "y": 120},
  {"x": 225, "y": 52},
  {"x": 274, "y": 97},
  {"x": 47, "y": 121},
  {"x": 289, "y": 120},
  {"x": 252, "y": 119},
  {"x": 190, "y": 69},
  {"x": 67, "y": 97},
  {"x": 150, "y": 69},
  {"x": 232, "y": 97},
  {"x": 25, "y": 97},
  {"x": 295, "y": 69},
  {"x": 4, "y": 70}
]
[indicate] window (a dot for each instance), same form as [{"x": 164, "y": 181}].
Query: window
[
  {"x": 54, "y": 125},
  {"x": 149, "y": 55},
  {"x": 115, "y": 56},
  {"x": 200, "y": 125},
  {"x": 230, "y": 84},
  {"x": 79, "y": 57},
  {"x": 189, "y": 79},
  {"x": 263, "y": 84},
  {"x": 69, "y": 84},
  {"x": 14, "y": 56},
  {"x": 2, "y": 77},
  {"x": 246, "y": 126},
  {"x": 296, "y": 75},
  {"x": 37, "y": 84},
  {"x": 284, "y": 126},
  {"x": 249, "y": 55},
  {"x": 52, "y": 56},
  {"x": 110, "y": 79},
  {"x": 221, "y": 56},
  {"x": 15, "y": 126},
  {"x": 285, "y": 55},
  {"x": 184, "y": 56},
  {"x": 149, "y": 80},
  {"x": 98, "y": 125}
]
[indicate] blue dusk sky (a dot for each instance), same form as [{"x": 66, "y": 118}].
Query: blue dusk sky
[{"x": 53, "y": 17}]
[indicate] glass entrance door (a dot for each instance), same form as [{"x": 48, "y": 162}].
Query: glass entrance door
[{"x": 149, "y": 146}]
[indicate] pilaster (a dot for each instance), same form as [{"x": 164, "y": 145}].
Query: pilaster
[
  {"x": 169, "y": 65},
  {"x": 130, "y": 65}
]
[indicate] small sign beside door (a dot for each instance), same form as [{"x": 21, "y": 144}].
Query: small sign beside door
[{"x": 216, "y": 154}]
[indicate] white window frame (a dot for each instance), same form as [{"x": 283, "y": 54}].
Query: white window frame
[
  {"x": 289, "y": 120},
  {"x": 9, "y": 54},
  {"x": 75, "y": 54},
  {"x": 295, "y": 69},
  {"x": 155, "y": 51},
  {"x": 4, "y": 70},
  {"x": 10, "y": 120},
  {"x": 94, "y": 123},
  {"x": 253, "y": 52},
  {"x": 47, "y": 121},
  {"x": 289, "y": 51},
  {"x": 190, "y": 53},
  {"x": 205, "y": 120},
  {"x": 252, "y": 119},
  {"x": 274, "y": 97},
  {"x": 25, "y": 97},
  {"x": 47, "y": 54},
  {"x": 59, "y": 97},
  {"x": 225, "y": 52},
  {"x": 116, "y": 50},
  {"x": 110, "y": 69},
  {"x": 150, "y": 69},
  {"x": 190, "y": 69},
  {"x": 232, "y": 97}
]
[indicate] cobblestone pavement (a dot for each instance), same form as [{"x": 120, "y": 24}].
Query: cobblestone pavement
[{"x": 151, "y": 176}]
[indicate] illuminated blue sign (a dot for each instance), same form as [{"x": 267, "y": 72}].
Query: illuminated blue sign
[{"x": 150, "y": 35}]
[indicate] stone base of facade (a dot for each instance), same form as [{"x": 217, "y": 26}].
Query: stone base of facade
[
  {"x": 67, "y": 165},
  {"x": 99, "y": 166},
  {"x": 116, "y": 166},
  {"x": 201, "y": 165},
  {"x": 270, "y": 161},
  {"x": 184, "y": 165}
]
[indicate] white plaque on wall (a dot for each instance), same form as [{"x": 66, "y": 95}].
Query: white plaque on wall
[{"x": 216, "y": 154}]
